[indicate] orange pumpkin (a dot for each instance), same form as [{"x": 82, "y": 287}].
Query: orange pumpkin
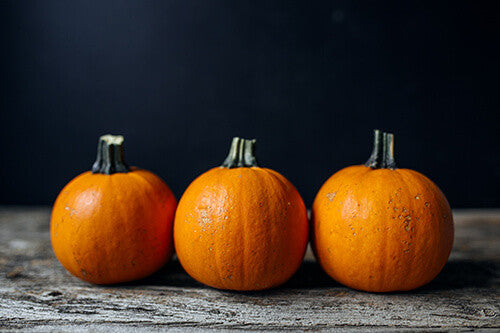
[
  {"x": 113, "y": 224},
  {"x": 239, "y": 226},
  {"x": 379, "y": 228}
]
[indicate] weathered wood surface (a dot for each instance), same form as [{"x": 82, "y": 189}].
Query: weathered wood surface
[{"x": 37, "y": 294}]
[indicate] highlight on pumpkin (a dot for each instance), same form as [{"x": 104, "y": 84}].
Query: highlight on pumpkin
[
  {"x": 113, "y": 224},
  {"x": 241, "y": 226},
  {"x": 379, "y": 228}
]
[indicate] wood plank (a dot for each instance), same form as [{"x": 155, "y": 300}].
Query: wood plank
[{"x": 38, "y": 294}]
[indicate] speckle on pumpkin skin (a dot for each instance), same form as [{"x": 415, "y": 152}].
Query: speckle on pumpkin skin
[
  {"x": 71, "y": 211},
  {"x": 331, "y": 195},
  {"x": 427, "y": 204}
]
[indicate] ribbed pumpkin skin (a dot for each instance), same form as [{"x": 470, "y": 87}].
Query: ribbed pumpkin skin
[
  {"x": 113, "y": 228},
  {"x": 241, "y": 229},
  {"x": 381, "y": 230}
]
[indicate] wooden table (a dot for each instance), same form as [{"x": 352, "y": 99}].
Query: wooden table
[{"x": 36, "y": 293}]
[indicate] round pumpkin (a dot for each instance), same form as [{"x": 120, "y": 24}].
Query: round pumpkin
[
  {"x": 240, "y": 226},
  {"x": 113, "y": 224},
  {"x": 379, "y": 228}
]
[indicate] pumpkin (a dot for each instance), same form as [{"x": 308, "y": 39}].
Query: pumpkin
[
  {"x": 113, "y": 224},
  {"x": 378, "y": 228},
  {"x": 240, "y": 226}
]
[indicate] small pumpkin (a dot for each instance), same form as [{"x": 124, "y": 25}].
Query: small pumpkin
[
  {"x": 379, "y": 228},
  {"x": 240, "y": 226},
  {"x": 113, "y": 224}
]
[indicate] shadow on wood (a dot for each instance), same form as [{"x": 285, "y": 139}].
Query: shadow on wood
[
  {"x": 456, "y": 274},
  {"x": 459, "y": 274}
]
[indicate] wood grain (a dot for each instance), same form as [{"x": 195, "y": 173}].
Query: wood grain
[{"x": 37, "y": 294}]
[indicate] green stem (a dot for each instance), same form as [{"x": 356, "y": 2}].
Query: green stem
[
  {"x": 375, "y": 159},
  {"x": 241, "y": 154},
  {"x": 110, "y": 156},
  {"x": 382, "y": 156},
  {"x": 389, "y": 162}
]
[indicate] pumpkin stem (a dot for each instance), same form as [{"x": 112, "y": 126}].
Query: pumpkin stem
[
  {"x": 389, "y": 162},
  {"x": 383, "y": 151},
  {"x": 241, "y": 154},
  {"x": 375, "y": 159},
  {"x": 110, "y": 155}
]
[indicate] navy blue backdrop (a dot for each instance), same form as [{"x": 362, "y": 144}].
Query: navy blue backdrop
[{"x": 309, "y": 79}]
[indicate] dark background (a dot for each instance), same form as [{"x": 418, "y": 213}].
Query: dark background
[{"x": 309, "y": 79}]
